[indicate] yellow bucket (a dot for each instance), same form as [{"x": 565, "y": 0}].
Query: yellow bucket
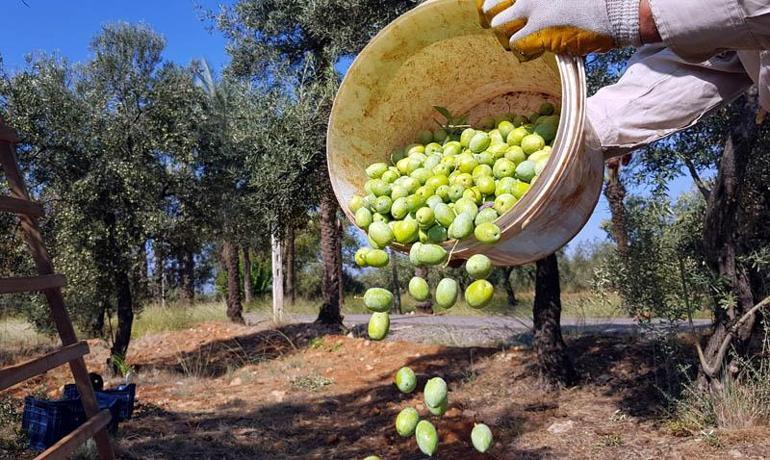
[{"x": 438, "y": 55}]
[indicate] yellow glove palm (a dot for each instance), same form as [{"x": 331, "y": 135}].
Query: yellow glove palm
[{"x": 576, "y": 27}]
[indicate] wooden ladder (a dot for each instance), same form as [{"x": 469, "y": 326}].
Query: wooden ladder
[{"x": 50, "y": 284}]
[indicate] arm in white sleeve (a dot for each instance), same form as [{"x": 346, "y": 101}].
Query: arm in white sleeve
[
  {"x": 699, "y": 29},
  {"x": 660, "y": 94}
]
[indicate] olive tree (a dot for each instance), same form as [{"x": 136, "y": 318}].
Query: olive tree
[
  {"x": 307, "y": 37},
  {"x": 725, "y": 156},
  {"x": 237, "y": 118},
  {"x": 88, "y": 156}
]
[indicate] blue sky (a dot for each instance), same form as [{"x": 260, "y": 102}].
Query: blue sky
[{"x": 66, "y": 28}]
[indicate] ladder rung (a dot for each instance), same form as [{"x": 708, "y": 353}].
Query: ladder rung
[
  {"x": 68, "y": 444},
  {"x": 8, "y": 135},
  {"x": 18, "y": 373},
  {"x": 18, "y": 206},
  {"x": 31, "y": 284}
]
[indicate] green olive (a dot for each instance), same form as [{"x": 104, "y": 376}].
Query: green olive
[
  {"x": 481, "y": 170},
  {"x": 486, "y": 215},
  {"x": 425, "y": 137},
  {"x": 479, "y": 294},
  {"x": 515, "y": 154},
  {"x": 504, "y": 203},
  {"x": 364, "y": 218},
  {"x": 406, "y": 231},
  {"x": 379, "y": 325},
  {"x": 466, "y": 136},
  {"x": 480, "y": 142},
  {"x": 486, "y": 185},
  {"x": 419, "y": 289},
  {"x": 525, "y": 171},
  {"x": 532, "y": 143},
  {"x": 504, "y": 186},
  {"x": 504, "y": 168},
  {"x": 487, "y": 233},
  {"x": 547, "y": 109},
  {"x": 376, "y": 170},
  {"x": 517, "y": 135},
  {"x": 360, "y": 257},
  {"x": 377, "y": 258}
]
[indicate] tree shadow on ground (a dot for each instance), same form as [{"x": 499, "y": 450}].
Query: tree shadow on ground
[
  {"x": 322, "y": 425},
  {"x": 644, "y": 373},
  {"x": 216, "y": 358}
]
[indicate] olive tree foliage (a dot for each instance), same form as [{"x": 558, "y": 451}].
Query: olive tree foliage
[
  {"x": 267, "y": 37},
  {"x": 727, "y": 158},
  {"x": 105, "y": 144},
  {"x": 183, "y": 228},
  {"x": 666, "y": 240},
  {"x": 265, "y": 33},
  {"x": 660, "y": 270},
  {"x": 664, "y": 273},
  {"x": 237, "y": 129},
  {"x": 283, "y": 167}
]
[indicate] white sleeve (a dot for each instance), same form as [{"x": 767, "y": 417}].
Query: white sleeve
[
  {"x": 660, "y": 94},
  {"x": 699, "y": 29}
]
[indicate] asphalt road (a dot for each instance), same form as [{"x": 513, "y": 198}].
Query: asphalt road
[
  {"x": 508, "y": 322},
  {"x": 489, "y": 330}
]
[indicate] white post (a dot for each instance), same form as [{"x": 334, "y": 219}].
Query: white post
[{"x": 277, "y": 260}]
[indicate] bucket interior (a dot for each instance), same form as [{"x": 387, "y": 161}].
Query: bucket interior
[{"x": 434, "y": 55}]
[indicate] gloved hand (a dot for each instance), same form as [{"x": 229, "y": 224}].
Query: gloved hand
[{"x": 576, "y": 27}]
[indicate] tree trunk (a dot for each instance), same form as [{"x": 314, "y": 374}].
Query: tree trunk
[
  {"x": 615, "y": 192},
  {"x": 722, "y": 239},
  {"x": 248, "y": 286},
  {"x": 141, "y": 279},
  {"x": 159, "y": 267},
  {"x": 125, "y": 317},
  {"x": 187, "y": 276},
  {"x": 234, "y": 306},
  {"x": 554, "y": 365},
  {"x": 290, "y": 290},
  {"x": 330, "y": 310},
  {"x": 427, "y": 306},
  {"x": 508, "y": 285},
  {"x": 395, "y": 287},
  {"x": 97, "y": 325},
  {"x": 338, "y": 254}
]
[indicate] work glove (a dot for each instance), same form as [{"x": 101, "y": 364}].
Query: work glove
[{"x": 575, "y": 27}]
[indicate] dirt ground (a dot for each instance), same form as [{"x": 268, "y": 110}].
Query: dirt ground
[{"x": 221, "y": 391}]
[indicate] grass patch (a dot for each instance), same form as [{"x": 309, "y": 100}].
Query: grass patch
[
  {"x": 612, "y": 440},
  {"x": 18, "y": 338},
  {"x": 198, "y": 364},
  {"x": 311, "y": 382},
  {"x": 18, "y": 333},
  {"x": 12, "y": 439},
  {"x": 743, "y": 402},
  {"x": 155, "y": 318}
]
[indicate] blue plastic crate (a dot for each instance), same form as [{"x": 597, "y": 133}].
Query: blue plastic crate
[
  {"x": 123, "y": 396},
  {"x": 46, "y": 422}
]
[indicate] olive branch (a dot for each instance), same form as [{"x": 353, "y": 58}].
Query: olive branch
[{"x": 452, "y": 124}]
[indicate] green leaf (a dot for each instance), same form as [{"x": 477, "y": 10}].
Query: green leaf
[{"x": 443, "y": 111}]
